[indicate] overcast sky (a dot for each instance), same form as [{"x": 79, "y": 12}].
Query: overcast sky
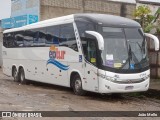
[{"x": 5, "y": 9}]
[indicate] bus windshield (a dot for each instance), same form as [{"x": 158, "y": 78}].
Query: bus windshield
[{"x": 124, "y": 48}]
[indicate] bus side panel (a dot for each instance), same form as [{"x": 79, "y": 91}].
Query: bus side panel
[
  {"x": 76, "y": 67},
  {"x": 52, "y": 73},
  {"x": 34, "y": 61},
  {"x": 38, "y": 69},
  {"x": 7, "y": 67},
  {"x": 7, "y": 62},
  {"x": 74, "y": 64}
]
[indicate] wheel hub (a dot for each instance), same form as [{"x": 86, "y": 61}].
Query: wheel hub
[{"x": 78, "y": 85}]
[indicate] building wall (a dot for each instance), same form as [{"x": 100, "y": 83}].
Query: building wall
[{"x": 56, "y": 8}]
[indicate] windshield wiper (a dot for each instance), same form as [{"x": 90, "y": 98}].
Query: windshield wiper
[
  {"x": 137, "y": 62},
  {"x": 130, "y": 53},
  {"x": 131, "y": 56},
  {"x": 142, "y": 47}
]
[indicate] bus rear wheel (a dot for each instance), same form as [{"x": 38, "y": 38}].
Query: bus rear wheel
[
  {"x": 77, "y": 86},
  {"x": 22, "y": 76},
  {"x": 15, "y": 75}
]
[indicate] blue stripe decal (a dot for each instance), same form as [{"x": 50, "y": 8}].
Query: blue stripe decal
[{"x": 58, "y": 64}]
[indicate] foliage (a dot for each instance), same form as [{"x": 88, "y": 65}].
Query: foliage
[
  {"x": 148, "y": 22},
  {"x": 143, "y": 13},
  {"x": 157, "y": 21}
]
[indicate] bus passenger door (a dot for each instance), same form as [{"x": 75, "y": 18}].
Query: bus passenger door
[{"x": 91, "y": 79}]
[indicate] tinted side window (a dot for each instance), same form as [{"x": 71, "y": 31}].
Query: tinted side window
[
  {"x": 9, "y": 40},
  {"x": 34, "y": 38},
  {"x": 91, "y": 51},
  {"x": 28, "y": 38},
  {"x": 58, "y": 35},
  {"x": 52, "y": 35},
  {"x": 5, "y": 40},
  {"x": 39, "y": 37},
  {"x": 67, "y": 36},
  {"x": 82, "y": 27},
  {"x": 19, "y": 39}
]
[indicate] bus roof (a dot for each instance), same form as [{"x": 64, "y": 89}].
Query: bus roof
[
  {"x": 108, "y": 20},
  {"x": 44, "y": 23}
]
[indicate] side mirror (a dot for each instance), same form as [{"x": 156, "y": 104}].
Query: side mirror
[
  {"x": 99, "y": 38},
  {"x": 156, "y": 40}
]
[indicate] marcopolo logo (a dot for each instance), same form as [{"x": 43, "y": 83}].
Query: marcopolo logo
[{"x": 54, "y": 55}]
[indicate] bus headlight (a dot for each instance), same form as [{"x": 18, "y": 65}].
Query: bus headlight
[
  {"x": 112, "y": 79},
  {"x": 146, "y": 77}
]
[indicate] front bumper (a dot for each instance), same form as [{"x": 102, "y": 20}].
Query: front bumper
[{"x": 106, "y": 86}]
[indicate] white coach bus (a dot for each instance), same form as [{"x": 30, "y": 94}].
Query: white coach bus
[{"x": 87, "y": 52}]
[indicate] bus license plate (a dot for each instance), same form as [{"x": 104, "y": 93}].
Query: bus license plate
[{"x": 129, "y": 87}]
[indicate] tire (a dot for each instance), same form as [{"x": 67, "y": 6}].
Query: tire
[
  {"x": 22, "y": 76},
  {"x": 77, "y": 86},
  {"x": 15, "y": 75}
]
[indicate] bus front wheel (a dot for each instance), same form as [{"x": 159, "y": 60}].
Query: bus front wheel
[
  {"x": 77, "y": 86},
  {"x": 22, "y": 76}
]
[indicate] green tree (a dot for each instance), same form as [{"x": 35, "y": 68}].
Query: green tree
[
  {"x": 143, "y": 14},
  {"x": 157, "y": 21}
]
